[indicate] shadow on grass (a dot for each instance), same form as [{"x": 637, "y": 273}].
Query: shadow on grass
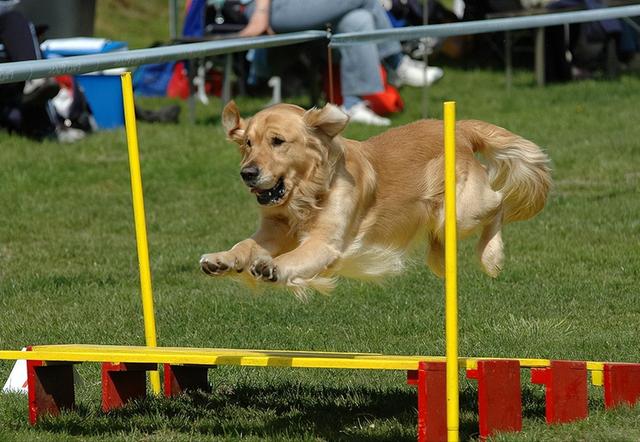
[{"x": 316, "y": 412}]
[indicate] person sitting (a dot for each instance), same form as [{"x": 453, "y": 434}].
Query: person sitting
[
  {"x": 25, "y": 107},
  {"x": 359, "y": 64}
]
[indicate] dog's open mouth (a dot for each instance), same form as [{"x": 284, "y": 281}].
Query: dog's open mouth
[{"x": 268, "y": 197}]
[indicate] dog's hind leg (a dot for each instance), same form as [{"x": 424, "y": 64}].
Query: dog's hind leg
[
  {"x": 490, "y": 247},
  {"x": 481, "y": 207},
  {"x": 435, "y": 257}
]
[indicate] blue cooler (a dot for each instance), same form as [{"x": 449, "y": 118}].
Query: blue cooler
[
  {"x": 102, "y": 89},
  {"x": 104, "y": 95}
]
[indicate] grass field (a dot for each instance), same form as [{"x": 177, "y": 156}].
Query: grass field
[
  {"x": 140, "y": 24},
  {"x": 68, "y": 273}
]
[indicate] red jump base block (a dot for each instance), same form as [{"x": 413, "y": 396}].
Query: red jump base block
[
  {"x": 179, "y": 379},
  {"x": 123, "y": 382},
  {"x": 566, "y": 390},
  {"x": 431, "y": 380},
  {"x": 499, "y": 396},
  {"x": 50, "y": 388},
  {"x": 621, "y": 384}
]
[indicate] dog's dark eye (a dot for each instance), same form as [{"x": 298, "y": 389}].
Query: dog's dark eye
[
  {"x": 277, "y": 141},
  {"x": 248, "y": 142}
]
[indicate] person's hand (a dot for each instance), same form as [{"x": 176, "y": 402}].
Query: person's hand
[{"x": 258, "y": 24}]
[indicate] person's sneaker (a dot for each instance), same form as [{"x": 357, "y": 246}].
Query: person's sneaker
[
  {"x": 360, "y": 113},
  {"x": 411, "y": 73}
]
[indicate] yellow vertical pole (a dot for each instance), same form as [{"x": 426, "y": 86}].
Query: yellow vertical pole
[
  {"x": 141, "y": 227},
  {"x": 451, "y": 272}
]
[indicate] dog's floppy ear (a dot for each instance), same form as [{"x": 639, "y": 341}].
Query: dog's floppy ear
[
  {"x": 233, "y": 124},
  {"x": 330, "y": 119}
]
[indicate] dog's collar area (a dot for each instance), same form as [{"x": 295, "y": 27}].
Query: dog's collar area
[{"x": 270, "y": 196}]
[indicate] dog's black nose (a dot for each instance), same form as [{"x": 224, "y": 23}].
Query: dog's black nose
[{"x": 249, "y": 174}]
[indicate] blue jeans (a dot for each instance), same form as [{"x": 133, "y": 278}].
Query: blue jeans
[{"x": 359, "y": 64}]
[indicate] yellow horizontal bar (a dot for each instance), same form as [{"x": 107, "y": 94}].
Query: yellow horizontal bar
[
  {"x": 187, "y": 350},
  {"x": 472, "y": 363},
  {"x": 220, "y": 358},
  {"x": 255, "y": 358}
]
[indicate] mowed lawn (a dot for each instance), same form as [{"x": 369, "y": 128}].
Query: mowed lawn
[{"x": 569, "y": 290}]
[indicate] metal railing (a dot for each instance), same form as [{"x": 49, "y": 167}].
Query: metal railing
[
  {"x": 484, "y": 26},
  {"x": 26, "y": 70}
]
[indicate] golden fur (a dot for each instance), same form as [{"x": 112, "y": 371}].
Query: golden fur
[{"x": 332, "y": 206}]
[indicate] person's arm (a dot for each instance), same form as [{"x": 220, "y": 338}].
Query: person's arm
[{"x": 259, "y": 21}]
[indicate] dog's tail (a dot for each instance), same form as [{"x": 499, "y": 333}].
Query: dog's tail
[{"x": 517, "y": 168}]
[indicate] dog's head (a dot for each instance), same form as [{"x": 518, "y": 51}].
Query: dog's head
[{"x": 285, "y": 148}]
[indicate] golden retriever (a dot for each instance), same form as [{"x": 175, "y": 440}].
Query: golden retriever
[{"x": 332, "y": 207}]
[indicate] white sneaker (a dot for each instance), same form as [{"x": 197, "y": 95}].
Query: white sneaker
[
  {"x": 411, "y": 73},
  {"x": 360, "y": 113},
  {"x": 69, "y": 134}
]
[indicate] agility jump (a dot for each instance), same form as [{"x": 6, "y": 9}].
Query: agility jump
[{"x": 50, "y": 367}]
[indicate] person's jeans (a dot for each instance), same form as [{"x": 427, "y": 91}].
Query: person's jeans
[{"x": 359, "y": 64}]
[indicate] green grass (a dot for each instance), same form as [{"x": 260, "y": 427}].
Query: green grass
[
  {"x": 140, "y": 23},
  {"x": 68, "y": 273}
]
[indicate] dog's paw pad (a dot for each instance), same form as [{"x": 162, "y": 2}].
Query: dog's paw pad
[
  {"x": 222, "y": 266},
  {"x": 213, "y": 266},
  {"x": 264, "y": 270}
]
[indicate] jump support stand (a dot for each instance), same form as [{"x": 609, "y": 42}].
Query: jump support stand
[
  {"x": 499, "y": 396},
  {"x": 180, "y": 379},
  {"x": 565, "y": 390},
  {"x": 51, "y": 389},
  {"x": 431, "y": 382},
  {"x": 122, "y": 382},
  {"x": 621, "y": 384}
]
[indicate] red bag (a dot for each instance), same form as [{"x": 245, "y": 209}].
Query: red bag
[
  {"x": 178, "y": 86},
  {"x": 382, "y": 103}
]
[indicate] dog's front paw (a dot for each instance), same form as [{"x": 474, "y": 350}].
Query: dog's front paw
[
  {"x": 216, "y": 264},
  {"x": 264, "y": 269}
]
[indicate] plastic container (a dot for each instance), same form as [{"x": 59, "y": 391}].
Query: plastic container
[
  {"x": 104, "y": 95},
  {"x": 102, "y": 89}
]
